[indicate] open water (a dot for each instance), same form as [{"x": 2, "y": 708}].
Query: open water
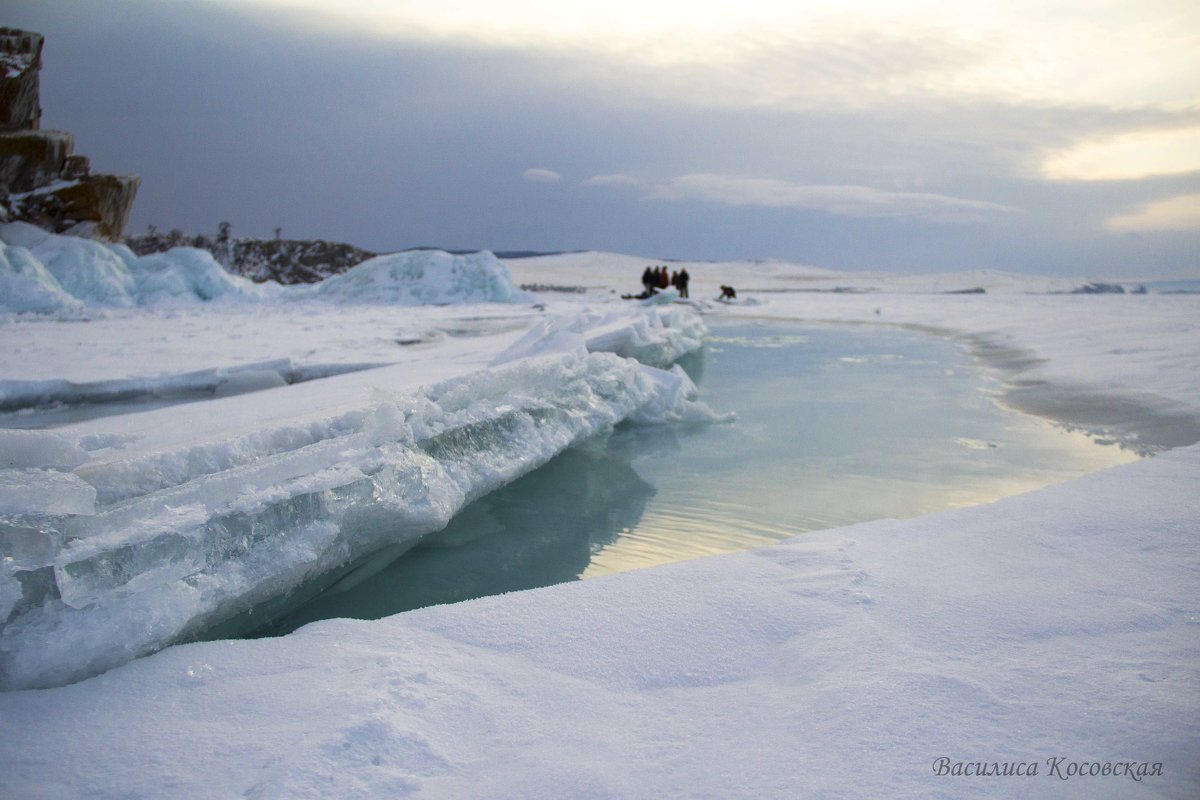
[{"x": 835, "y": 425}]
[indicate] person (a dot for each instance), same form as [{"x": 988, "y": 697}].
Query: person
[
  {"x": 674, "y": 279},
  {"x": 728, "y": 293},
  {"x": 663, "y": 279},
  {"x": 647, "y": 278},
  {"x": 683, "y": 282}
]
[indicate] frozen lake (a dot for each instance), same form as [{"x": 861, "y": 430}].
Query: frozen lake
[{"x": 836, "y": 425}]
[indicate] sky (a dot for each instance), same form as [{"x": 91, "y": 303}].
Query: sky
[{"x": 1051, "y": 136}]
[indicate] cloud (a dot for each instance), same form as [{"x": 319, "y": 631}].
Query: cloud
[
  {"x": 1129, "y": 156},
  {"x": 757, "y": 51},
  {"x": 849, "y": 201},
  {"x": 616, "y": 181},
  {"x": 541, "y": 175},
  {"x": 1180, "y": 213}
]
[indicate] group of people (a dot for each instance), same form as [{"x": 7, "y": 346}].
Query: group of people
[{"x": 657, "y": 278}]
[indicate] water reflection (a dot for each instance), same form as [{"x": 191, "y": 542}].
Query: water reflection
[
  {"x": 539, "y": 530},
  {"x": 835, "y": 426}
]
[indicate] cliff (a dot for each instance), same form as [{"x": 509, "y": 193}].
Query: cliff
[{"x": 42, "y": 180}]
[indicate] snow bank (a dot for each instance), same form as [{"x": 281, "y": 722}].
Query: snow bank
[
  {"x": 425, "y": 277},
  {"x": 145, "y": 547}
]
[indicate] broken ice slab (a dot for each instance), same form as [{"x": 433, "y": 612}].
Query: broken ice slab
[
  {"x": 153, "y": 550},
  {"x": 21, "y": 449},
  {"x": 30, "y": 542},
  {"x": 29, "y": 492},
  {"x": 139, "y": 553}
]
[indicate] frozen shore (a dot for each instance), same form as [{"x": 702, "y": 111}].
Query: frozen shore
[{"x": 1058, "y": 628}]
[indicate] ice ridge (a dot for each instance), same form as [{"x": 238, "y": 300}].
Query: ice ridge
[
  {"x": 66, "y": 275},
  {"x": 107, "y": 558}
]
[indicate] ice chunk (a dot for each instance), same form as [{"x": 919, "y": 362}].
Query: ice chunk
[
  {"x": 654, "y": 336},
  {"x": 44, "y": 492},
  {"x": 545, "y": 338},
  {"x": 10, "y": 592},
  {"x": 29, "y": 541},
  {"x": 19, "y": 449},
  {"x": 154, "y": 551}
]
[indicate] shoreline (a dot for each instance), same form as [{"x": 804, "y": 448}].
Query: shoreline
[{"x": 1144, "y": 422}]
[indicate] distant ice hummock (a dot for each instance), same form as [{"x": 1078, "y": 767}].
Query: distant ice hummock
[{"x": 46, "y": 273}]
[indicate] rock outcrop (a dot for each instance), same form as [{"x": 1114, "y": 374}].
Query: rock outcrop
[
  {"x": 286, "y": 261},
  {"x": 42, "y": 181}
]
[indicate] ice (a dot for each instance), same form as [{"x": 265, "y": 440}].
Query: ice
[
  {"x": 205, "y": 529},
  {"x": 44, "y": 492},
  {"x": 657, "y": 336},
  {"x": 39, "y": 449},
  {"x": 22, "y": 234},
  {"x": 26, "y": 284},
  {"x": 425, "y": 277},
  {"x": 10, "y": 592},
  {"x": 87, "y": 270},
  {"x": 48, "y": 273},
  {"x": 842, "y": 663},
  {"x": 217, "y": 382},
  {"x": 188, "y": 275}
]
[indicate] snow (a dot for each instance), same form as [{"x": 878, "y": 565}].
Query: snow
[{"x": 1058, "y": 624}]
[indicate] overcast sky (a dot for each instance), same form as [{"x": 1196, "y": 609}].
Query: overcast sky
[{"x": 1048, "y": 136}]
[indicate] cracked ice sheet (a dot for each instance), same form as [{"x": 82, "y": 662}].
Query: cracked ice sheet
[
  {"x": 227, "y": 417},
  {"x": 116, "y": 344}
]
